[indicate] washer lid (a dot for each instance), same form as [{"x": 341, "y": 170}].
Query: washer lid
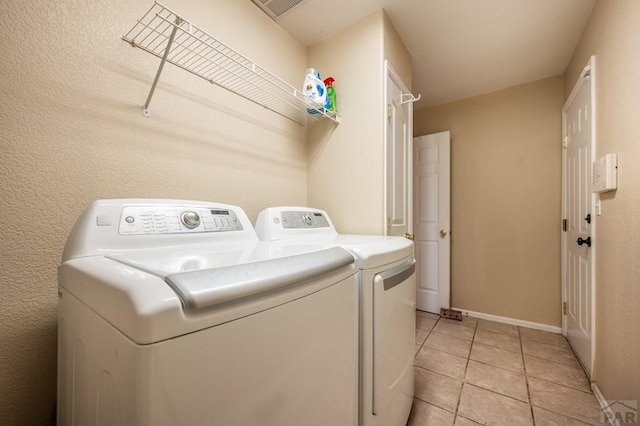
[{"x": 210, "y": 279}]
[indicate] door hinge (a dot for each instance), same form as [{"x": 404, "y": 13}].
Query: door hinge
[
  {"x": 565, "y": 142},
  {"x": 564, "y": 308},
  {"x": 389, "y": 111},
  {"x": 564, "y": 225}
]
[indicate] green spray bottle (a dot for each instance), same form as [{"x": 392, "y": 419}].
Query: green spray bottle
[{"x": 331, "y": 94}]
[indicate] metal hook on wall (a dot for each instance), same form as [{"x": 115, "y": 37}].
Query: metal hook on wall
[{"x": 409, "y": 98}]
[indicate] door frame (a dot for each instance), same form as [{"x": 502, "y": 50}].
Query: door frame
[
  {"x": 588, "y": 70},
  {"x": 390, "y": 73}
]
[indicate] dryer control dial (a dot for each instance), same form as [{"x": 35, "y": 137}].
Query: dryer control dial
[{"x": 190, "y": 219}]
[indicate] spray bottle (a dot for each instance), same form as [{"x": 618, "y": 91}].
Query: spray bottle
[{"x": 331, "y": 94}]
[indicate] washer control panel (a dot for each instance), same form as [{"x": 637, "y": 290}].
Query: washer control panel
[
  {"x": 304, "y": 220},
  {"x": 136, "y": 220}
]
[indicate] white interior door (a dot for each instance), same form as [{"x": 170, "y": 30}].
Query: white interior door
[
  {"x": 578, "y": 200},
  {"x": 399, "y": 134},
  {"x": 432, "y": 201}
]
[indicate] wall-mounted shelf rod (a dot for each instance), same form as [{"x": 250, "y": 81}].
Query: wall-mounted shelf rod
[
  {"x": 174, "y": 39},
  {"x": 145, "y": 110}
]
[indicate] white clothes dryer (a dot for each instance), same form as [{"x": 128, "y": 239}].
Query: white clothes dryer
[
  {"x": 173, "y": 313},
  {"x": 387, "y": 307}
]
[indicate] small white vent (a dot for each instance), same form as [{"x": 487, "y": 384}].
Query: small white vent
[{"x": 276, "y": 8}]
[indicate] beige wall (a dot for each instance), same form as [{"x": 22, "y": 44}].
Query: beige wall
[
  {"x": 72, "y": 131},
  {"x": 396, "y": 53},
  {"x": 506, "y": 192},
  {"x": 613, "y": 35},
  {"x": 346, "y": 161}
]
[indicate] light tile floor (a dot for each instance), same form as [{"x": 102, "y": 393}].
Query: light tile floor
[{"x": 483, "y": 372}]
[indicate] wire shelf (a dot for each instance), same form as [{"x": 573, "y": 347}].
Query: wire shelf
[{"x": 174, "y": 39}]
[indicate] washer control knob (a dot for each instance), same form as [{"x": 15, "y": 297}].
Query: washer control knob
[{"x": 190, "y": 219}]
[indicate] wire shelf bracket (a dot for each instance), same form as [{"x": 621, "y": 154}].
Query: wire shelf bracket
[
  {"x": 406, "y": 98},
  {"x": 174, "y": 39}
]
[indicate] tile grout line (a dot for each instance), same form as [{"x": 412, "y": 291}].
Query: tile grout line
[
  {"x": 548, "y": 343},
  {"x": 500, "y": 368},
  {"x": 566, "y": 364},
  {"x": 563, "y": 415},
  {"x": 561, "y": 385},
  {"x": 444, "y": 350},
  {"x": 425, "y": 339},
  {"x": 455, "y": 412},
  {"x": 499, "y": 332},
  {"x": 559, "y": 412},
  {"x": 464, "y": 375},
  {"x": 526, "y": 377},
  {"x": 464, "y": 382},
  {"x": 589, "y": 392},
  {"x": 570, "y": 365},
  {"x": 584, "y": 370}
]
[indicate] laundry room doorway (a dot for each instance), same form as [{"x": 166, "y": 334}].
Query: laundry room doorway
[{"x": 432, "y": 220}]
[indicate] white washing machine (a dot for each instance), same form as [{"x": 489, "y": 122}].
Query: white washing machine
[
  {"x": 387, "y": 307},
  {"x": 173, "y": 313}
]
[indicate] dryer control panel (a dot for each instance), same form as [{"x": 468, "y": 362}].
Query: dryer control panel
[
  {"x": 277, "y": 223},
  {"x": 137, "y": 220},
  {"x": 303, "y": 219}
]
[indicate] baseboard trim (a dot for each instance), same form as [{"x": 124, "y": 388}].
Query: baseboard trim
[
  {"x": 605, "y": 405},
  {"x": 512, "y": 321}
]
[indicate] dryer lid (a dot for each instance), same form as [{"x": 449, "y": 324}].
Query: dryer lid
[{"x": 373, "y": 251}]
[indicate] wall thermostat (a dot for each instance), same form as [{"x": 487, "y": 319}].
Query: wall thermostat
[{"x": 605, "y": 173}]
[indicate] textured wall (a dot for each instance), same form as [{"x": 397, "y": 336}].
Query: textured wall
[
  {"x": 346, "y": 162},
  {"x": 72, "y": 131},
  {"x": 396, "y": 53},
  {"x": 505, "y": 195},
  {"x": 345, "y": 174},
  {"x": 613, "y": 35}
]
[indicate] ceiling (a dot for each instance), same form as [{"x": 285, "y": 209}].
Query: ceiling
[{"x": 461, "y": 48}]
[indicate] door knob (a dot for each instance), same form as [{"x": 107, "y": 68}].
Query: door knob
[
  {"x": 443, "y": 233},
  {"x": 580, "y": 241},
  {"x": 408, "y": 236}
]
